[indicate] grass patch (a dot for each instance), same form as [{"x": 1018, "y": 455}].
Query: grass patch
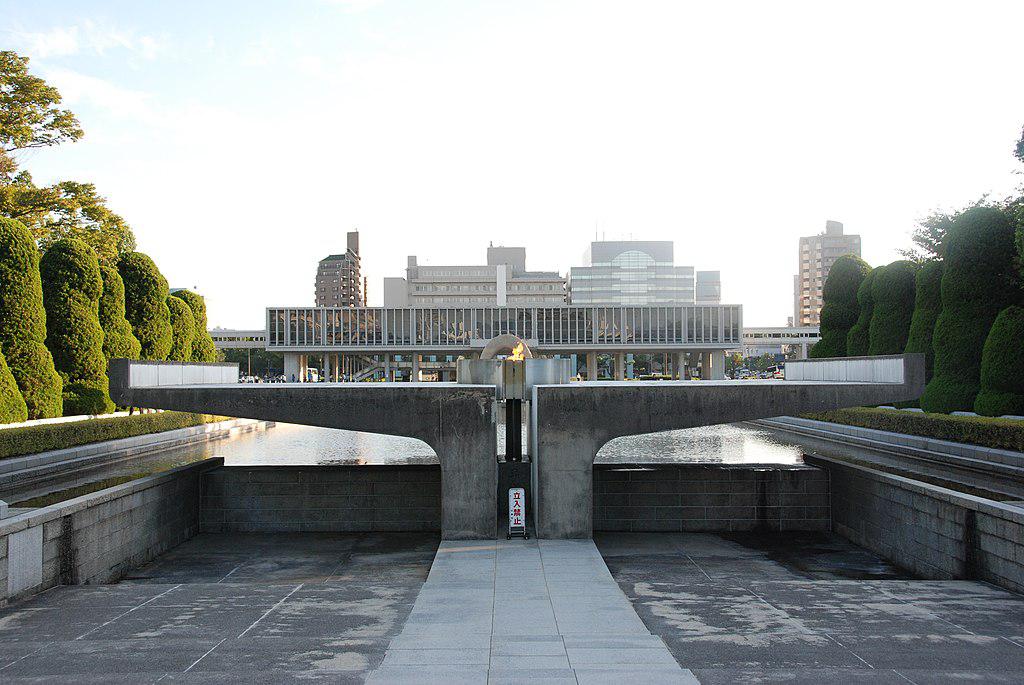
[
  {"x": 1005, "y": 434},
  {"x": 16, "y": 442}
]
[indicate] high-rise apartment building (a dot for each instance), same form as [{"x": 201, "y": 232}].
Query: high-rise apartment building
[
  {"x": 337, "y": 277},
  {"x": 640, "y": 272},
  {"x": 817, "y": 255},
  {"x": 503, "y": 281}
]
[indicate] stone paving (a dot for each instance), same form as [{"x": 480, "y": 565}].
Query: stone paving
[
  {"x": 226, "y": 608},
  {"x": 812, "y": 608},
  {"x": 525, "y": 611}
]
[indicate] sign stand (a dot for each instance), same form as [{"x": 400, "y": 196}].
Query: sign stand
[{"x": 517, "y": 514}]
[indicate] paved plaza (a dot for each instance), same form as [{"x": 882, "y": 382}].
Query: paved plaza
[{"x": 393, "y": 608}]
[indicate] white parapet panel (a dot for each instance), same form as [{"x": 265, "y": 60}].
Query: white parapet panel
[
  {"x": 887, "y": 369},
  {"x": 158, "y": 374}
]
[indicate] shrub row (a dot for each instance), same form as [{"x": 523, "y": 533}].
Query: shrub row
[
  {"x": 15, "y": 442},
  {"x": 1006, "y": 434}
]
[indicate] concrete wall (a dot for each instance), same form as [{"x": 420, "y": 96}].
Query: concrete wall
[
  {"x": 934, "y": 532},
  {"x": 322, "y": 498},
  {"x": 96, "y": 538},
  {"x": 692, "y": 497}
]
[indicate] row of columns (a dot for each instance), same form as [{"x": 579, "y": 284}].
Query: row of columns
[{"x": 336, "y": 367}]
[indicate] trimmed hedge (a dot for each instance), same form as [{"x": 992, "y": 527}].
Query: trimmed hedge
[
  {"x": 16, "y": 442},
  {"x": 1004, "y": 434},
  {"x": 203, "y": 349},
  {"x": 892, "y": 290},
  {"x": 12, "y": 404},
  {"x": 1002, "y": 366},
  {"x": 839, "y": 305},
  {"x": 23, "y": 322},
  {"x": 980, "y": 280},
  {"x": 858, "y": 340},
  {"x": 927, "y": 307},
  {"x": 72, "y": 286},
  {"x": 183, "y": 330},
  {"x": 118, "y": 339},
  {"x": 146, "y": 292}
]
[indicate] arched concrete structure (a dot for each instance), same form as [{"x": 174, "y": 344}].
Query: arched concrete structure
[
  {"x": 457, "y": 421},
  {"x": 571, "y": 422},
  {"x": 504, "y": 344}
]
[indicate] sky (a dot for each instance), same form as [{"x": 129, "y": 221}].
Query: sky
[{"x": 241, "y": 140}]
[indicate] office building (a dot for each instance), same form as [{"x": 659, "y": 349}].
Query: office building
[
  {"x": 639, "y": 272},
  {"x": 502, "y": 281},
  {"x": 817, "y": 254},
  {"x": 338, "y": 283}
]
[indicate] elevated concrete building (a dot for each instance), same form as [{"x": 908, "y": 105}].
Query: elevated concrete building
[
  {"x": 817, "y": 255},
  {"x": 337, "y": 277},
  {"x": 779, "y": 340},
  {"x": 502, "y": 281},
  {"x": 639, "y": 272}
]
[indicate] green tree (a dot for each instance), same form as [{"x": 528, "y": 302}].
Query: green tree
[
  {"x": 72, "y": 286},
  {"x": 839, "y": 308},
  {"x": 146, "y": 293},
  {"x": 183, "y": 330},
  {"x": 927, "y": 307},
  {"x": 1002, "y": 366},
  {"x": 12, "y": 404},
  {"x": 979, "y": 281},
  {"x": 30, "y": 118},
  {"x": 858, "y": 340},
  {"x": 118, "y": 339},
  {"x": 23, "y": 322},
  {"x": 893, "y": 291},
  {"x": 203, "y": 349}
]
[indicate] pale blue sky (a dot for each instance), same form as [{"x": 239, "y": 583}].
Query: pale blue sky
[{"x": 242, "y": 139}]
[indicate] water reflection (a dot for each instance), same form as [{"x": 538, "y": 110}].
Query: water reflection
[{"x": 302, "y": 445}]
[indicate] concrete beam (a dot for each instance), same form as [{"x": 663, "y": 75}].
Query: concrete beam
[
  {"x": 573, "y": 421},
  {"x": 457, "y": 421}
]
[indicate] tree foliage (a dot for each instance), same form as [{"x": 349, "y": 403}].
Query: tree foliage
[
  {"x": 980, "y": 280},
  {"x": 72, "y": 286},
  {"x": 858, "y": 340},
  {"x": 893, "y": 290},
  {"x": 839, "y": 309},
  {"x": 927, "y": 307},
  {"x": 12, "y": 404},
  {"x": 203, "y": 349},
  {"x": 146, "y": 309},
  {"x": 930, "y": 234},
  {"x": 1002, "y": 366},
  {"x": 118, "y": 339},
  {"x": 183, "y": 330},
  {"x": 30, "y": 116},
  {"x": 23, "y": 322}
]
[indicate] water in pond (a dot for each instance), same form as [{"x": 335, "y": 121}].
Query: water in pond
[{"x": 291, "y": 444}]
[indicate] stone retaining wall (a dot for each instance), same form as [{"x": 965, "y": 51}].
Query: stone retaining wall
[
  {"x": 96, "y": 538},
  {"x": 934, "y": 532},
  {"x": 713, "y": 498},
  {"x": 322, "y": 498}
]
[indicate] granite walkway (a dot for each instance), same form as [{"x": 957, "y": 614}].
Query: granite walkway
[{"x": 519, "y": 611}]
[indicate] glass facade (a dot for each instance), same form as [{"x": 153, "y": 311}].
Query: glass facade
[{"x": 551, "y": 327}]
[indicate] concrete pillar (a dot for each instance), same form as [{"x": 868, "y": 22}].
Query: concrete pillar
[
  {"x": 620, "y": 366},
  {"x": 680, "y": 371},
  {"x": 591, "y": 366},
  {"x": 712, "y": 365},
  {"x": 291, "y": 367},
  {"x": 415, "y": 368},
  {"x": 327, "y": 367},
  {"x": 705, "y": 365},
  {"x": 630, "y": 366},
  {"x": 387, "y": 367},
  {"x": 803, "y": 350}
]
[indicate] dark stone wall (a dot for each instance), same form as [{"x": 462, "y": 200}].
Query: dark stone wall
[
  {"x": 322, "y": 498},
  {"x": 934, "y": 532},
  {"x": 713, "y": 498}
]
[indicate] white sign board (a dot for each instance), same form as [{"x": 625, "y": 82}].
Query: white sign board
[{"x": 516, "y": 509}]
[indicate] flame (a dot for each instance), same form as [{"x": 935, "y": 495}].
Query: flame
[{"x": 517, "y": 353}]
